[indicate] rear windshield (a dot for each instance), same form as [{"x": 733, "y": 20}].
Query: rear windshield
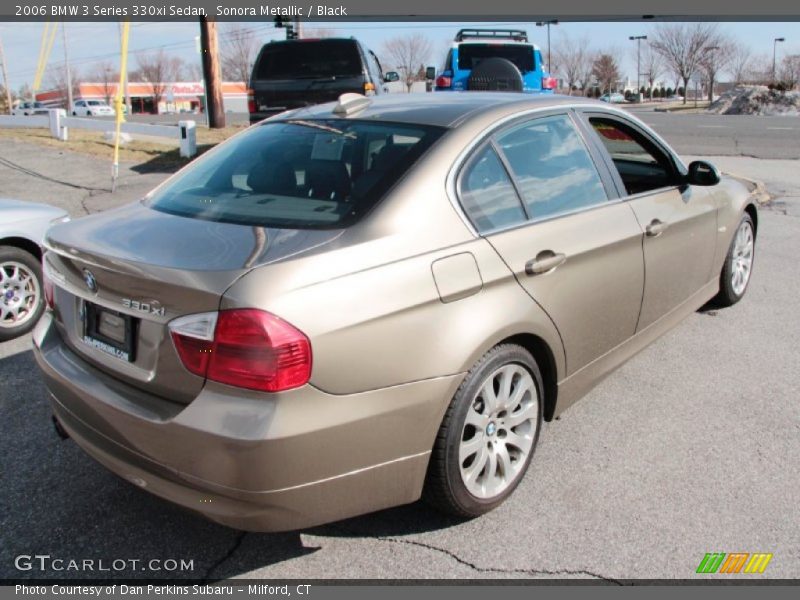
[
  {"x": 309, "y": 60},
  {"x": 298, "y": 174},
  {"x": 469, "y": 55}
]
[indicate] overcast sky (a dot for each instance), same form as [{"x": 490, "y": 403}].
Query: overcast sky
[{"x": 89, "y": 43}]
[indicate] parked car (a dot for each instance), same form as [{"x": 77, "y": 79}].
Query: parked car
[
  {"x": 91, "y": 108},
  {"x": 352, "y": 305},
  {"x": 22, "y": 228},
  {"x": 614, "y": 98},
  {"x": 29, "y": 108},
  {"x": 494, "y": 59},
  {"x": 295, "y": 73}
]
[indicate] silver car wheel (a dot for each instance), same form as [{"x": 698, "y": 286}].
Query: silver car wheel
[
  {"x": 742, "y": 258},
  {"x": 19, "y": 294},
  {"x": 499, "y": 431}
]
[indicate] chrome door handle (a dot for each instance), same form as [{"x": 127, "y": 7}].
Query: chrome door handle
[
  {"x": 656, "y": 228},
  {"x": 544, "y": 262}
]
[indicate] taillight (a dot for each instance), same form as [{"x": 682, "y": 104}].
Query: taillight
[
  {"x": 549, "y": 83},
  {"x": 369, "y": 89},
  {"x": 444, "y": 82},
  {"x": 246, "y": 348},
  {"x": 251, "y": 101}
]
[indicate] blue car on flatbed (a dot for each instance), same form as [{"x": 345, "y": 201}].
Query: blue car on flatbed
[{"x": 494, "y": 60}]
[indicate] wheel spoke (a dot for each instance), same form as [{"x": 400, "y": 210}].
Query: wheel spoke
[
  {"x": 471, "y": 473},
  {"x": 471, "y": 446},
  {"x": 489, "y": 397},
  {"x": 526, "y": 413},
  {"x": 476, "y": 419},
  {"x": 505, "y": 470},
  {"x": 517, "y": 441}
]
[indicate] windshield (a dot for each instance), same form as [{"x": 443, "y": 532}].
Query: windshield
[
  {"x": 469, "y": 55},
  {"x": 299, "y": 174},
  {"x": 309, "y": 60}
]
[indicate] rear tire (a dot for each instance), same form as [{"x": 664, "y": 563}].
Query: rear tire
[
  {"x": 488, "y": 434},
  {"x": 738, "y": 267},
  {"x": 21, "y": 292}
]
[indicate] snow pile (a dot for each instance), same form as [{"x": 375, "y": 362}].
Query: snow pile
[{"x": 756, "y": 100}]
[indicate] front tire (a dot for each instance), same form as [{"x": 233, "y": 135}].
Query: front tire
[
  {"x": 21, "y": 292},
  {"x": 738, "y": 266},
  {"x": 488, "y": 434}
]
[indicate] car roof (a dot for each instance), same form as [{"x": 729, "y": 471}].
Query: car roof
[
  {"x": 494, "y": 42},
  {"x": 442, "y": 109}
]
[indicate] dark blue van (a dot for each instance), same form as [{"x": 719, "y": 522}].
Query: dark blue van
[{"x": 496, "y": 60}]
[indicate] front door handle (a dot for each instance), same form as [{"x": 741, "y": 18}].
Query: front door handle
[
  {"x": 545, "y": 261},
  {"x": 656, "y": 228}
]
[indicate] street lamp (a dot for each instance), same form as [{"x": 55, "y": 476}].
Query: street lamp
[
  {"x": 548, "y": 23},
  {"x": 774, "y": 50},
  {"x": 638, "y": 39}
]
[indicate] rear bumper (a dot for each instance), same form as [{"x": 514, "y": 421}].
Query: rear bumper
[{"x": 258, "y": 462}]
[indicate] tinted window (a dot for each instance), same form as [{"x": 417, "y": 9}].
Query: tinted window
[
  {"x": 552, "y": 167},
  {"x": 487, "y": 194},
  {"x": 469, "y": 55},
  {"x": 641, "y": 166},
  {"x": 309, "y": 60},
  {"x": 296, "y": 174}
]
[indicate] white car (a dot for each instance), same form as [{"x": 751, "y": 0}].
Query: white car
[
  {"x": 91, "y": 108},
  {"x": 22, "y": 228},
  {"x": 29, "y": 108}
]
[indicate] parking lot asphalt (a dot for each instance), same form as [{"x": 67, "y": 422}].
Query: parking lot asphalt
[{"x": 691, "y": 447}]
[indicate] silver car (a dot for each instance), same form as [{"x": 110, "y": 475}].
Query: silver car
[{"x": 22, "y": 228}]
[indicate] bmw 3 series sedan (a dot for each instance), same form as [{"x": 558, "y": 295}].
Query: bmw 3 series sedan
[{"x": 351, "y": 306}]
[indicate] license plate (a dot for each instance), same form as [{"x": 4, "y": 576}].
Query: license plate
[{"x": 109, "y": 331}]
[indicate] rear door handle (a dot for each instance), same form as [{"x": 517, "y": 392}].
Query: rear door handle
[
  {"x": 545, "y": 261},
  {"x": 656, "y": 228}
]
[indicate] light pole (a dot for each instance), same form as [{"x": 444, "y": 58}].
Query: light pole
[
  {"x": 774, "y": 51},
  {"x": 548, "y": 23},
  {"x": 638, "y": 39}
]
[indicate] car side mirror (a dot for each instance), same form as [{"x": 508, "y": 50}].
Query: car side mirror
[
  {"x": 430, "y": 73},
  {"x": 391, "y": 76},
  {"x": 702, "y": 173}
]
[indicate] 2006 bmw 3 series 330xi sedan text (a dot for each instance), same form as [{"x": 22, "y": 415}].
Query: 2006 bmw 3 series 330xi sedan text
[{"x": 353, "y": 305}]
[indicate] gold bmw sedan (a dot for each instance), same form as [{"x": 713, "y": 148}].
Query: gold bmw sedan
[{"x": 350, "y": 306}]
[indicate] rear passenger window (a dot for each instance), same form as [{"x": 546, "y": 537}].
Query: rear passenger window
[
  {"x": 552, "y": 167},
  {"x": 487, "y": 193}
]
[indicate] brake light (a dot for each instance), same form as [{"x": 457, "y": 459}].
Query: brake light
[
  {"x": 444, "y": 82},
  {"x": 245, "y": 348},
  {"x": 549, "y": 83},
  {"x": 251, "y": 101}
]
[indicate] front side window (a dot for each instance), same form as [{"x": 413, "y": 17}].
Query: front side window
[
  {"x": 300, "y": 174},
  {"x": 641, "y": 165},
  {"x": 552, "y": 167},
  {"x": 487, "y": 194}
]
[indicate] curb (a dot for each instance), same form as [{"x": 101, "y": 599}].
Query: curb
[{"x": 757, "y": 188}]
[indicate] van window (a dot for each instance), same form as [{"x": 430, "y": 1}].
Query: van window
[
  {"x": 298, "y": 174},
  {"x": 309, "y": 60}
]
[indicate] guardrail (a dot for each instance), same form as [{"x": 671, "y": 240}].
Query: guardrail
[{"x": 185, "y": 132}]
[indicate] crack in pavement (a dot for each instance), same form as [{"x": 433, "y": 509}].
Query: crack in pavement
[
  {"x": 31, "y": 173},
  {"x": 237, "y": 542}
]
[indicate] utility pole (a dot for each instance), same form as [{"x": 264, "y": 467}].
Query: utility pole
[
  {"x": 5, "y": 76},
  {"x": 774, "y": 54},
  {"x": 638, "y": 39},
  {"x": 66, "y": 66},
  {"x": 548, "y": 23},
  {"x": 211, "y": 73}
]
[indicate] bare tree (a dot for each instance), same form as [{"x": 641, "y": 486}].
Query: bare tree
[
  {"x": 652, "y": 66},
  {"x": 714, "y": 59},
  {"x": 740, "y": 62},
  {"x": 107, "y": 76},
  {"x": 192, "y": 71},
  {"x": 56, "y": 79},
  {"x": 407, "y": 54},
  {"x": 571, "y": 57},
  {"x": 681, "y": 45},
  {"x": 586, "y": 76},
  {"x": 789, "y": 73},
  {"x": 238, "y": 52},
  {"x": 157, "y": 70},
  {"x": 606, "y": 72},
  {"x": 759, "y": 71}
]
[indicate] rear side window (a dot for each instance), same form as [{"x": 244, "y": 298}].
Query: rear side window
[
  {"x": 487, "y": 194},
  {"x": 552, "y": 167},
  {"x": 309, "y": 60},
  {"x": 299, "y": 174},
  {"x": 469, "y": 55}
]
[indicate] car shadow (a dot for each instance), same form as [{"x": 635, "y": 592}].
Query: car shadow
[
  {"x": 58, "y": 502},
  {"x": 167, "y": 161}
]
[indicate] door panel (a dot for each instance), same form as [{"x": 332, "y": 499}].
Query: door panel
[
  {"x": 679, "y": 251},
  {"x": 593, "y": 295}
]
